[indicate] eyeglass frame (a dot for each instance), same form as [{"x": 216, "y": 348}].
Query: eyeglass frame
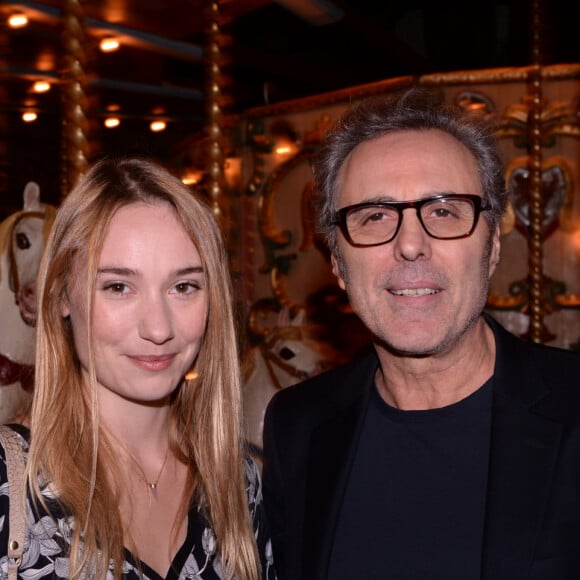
[{"x": 341, "y": 214}]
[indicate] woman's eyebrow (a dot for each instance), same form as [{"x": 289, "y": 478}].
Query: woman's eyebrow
[
  {"x": 118, "y": 270},
  {"x": 122, "y": 271}
]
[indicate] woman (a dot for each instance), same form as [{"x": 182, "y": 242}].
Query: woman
[{"x": 136, "y": 465}]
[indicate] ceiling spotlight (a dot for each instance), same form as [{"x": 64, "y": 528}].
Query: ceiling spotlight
[
  {"x": 17, "y": 20},
  {"x": 29, "y": 116},
  {"x": 283, "y": 150},
  {"x": 192, "y": 176},
  {"x": 157, "y": 126},
  {"x": 41, "y": 86},
  {"x": 112, "y": 122},
  {"x": 109, "y": 44}
]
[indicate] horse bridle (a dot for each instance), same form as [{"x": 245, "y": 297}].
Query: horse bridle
[
  {"x": 271, "y": 359},
  {"x": 14, "y": 281}
]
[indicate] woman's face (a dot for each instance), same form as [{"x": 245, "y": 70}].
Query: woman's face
[{"x": 150, "y": 305}]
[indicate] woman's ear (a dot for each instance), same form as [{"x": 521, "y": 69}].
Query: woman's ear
[{"x": 64, "y": 306}]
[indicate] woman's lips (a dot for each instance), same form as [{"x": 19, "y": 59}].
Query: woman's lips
[{"x": 153, "y": 362}]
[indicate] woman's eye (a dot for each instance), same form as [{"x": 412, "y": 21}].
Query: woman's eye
[
  {"x": 186, "y": 287},
  {"x": 116, "y": 287}
]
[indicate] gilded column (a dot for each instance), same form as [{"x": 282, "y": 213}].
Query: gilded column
[
  {"x": 214, "y": 113},
  {"x": 536, "y": 328},
  {"x": 75, "y": 145},
  {"x": 4, "y": 51}
]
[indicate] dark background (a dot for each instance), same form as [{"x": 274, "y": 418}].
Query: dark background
[{"x": 270, "y": 52}]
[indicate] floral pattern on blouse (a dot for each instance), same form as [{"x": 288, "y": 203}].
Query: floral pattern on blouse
[{"x": 47, "y": 541}]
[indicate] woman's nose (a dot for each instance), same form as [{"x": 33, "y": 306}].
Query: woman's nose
[{"x": 156, "y": 324}]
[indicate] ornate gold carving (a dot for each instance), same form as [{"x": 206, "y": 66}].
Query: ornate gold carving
[
  {"x": 556, "y": 187},
  {"x": 541, "y": 200},
  {"x": 473, "y": 77}
]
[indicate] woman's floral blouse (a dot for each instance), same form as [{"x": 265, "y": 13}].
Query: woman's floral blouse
[{"x": 48, "y": 540}]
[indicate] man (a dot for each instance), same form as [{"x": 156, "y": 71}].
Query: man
[{"x": 452, "y": 452}]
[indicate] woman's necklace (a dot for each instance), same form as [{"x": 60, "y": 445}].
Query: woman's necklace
[{"x": 151, "y": 485}]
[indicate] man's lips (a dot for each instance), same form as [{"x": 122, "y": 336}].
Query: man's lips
[
  {"x": 153, "y": 362},
  {"x": 412, "y": 292}
]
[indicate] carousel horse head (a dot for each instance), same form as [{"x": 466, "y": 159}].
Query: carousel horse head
[
  {"x": 23, "y": 235},
  {"x": 22, "y": 239},
  {"x": 291, "y": 352}
]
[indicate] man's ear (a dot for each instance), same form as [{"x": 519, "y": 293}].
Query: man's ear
[
  {"x": 494, "y": 254},
  {"x": 336, "y": 271}
]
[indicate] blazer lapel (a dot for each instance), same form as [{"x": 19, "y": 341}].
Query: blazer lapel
[
  {"x": 523, "y": 452},
  {"x": 332, "y": 450}
]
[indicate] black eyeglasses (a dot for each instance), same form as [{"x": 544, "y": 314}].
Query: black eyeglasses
[{"x": 448, "y": 216}]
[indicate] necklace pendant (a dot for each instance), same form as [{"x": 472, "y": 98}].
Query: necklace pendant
[{"x": 151, "y": 485}]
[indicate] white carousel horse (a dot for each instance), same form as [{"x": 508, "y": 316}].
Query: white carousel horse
[
  {"x": 22, "y": 239},
  {"x": 289, "y": 354}
]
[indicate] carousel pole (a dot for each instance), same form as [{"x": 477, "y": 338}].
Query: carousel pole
[
  {"x": 4, "y": 51},
  {"x": 75, "y": 146},
  {"x": 214, "y": 113},
  {"x": 536, "y": 331},
  {"x": 218, "y": 188}
]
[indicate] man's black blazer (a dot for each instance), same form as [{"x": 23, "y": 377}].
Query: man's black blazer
[{"x": 532, "y": 522}]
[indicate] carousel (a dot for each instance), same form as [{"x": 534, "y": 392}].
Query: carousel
[{"x": 251, "y": 159}]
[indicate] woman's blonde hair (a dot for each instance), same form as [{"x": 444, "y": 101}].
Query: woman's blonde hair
[{"x": 68, "y": 447}]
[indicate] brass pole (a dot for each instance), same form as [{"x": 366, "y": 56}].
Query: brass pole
[
  {"x": 4, "y": 51},
  {"x": 214, "y": 113},
  {"x": 74, "y": 152},
  {"x": 536, "y": 210}
]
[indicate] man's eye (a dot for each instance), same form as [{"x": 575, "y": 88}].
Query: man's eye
[
  {"x": 449, "y": 211},
  {"x": 377, "y": 215},
  {"x": 441, "y": 212}
]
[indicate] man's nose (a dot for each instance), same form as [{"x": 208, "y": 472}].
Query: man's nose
[{"x": 412, "y": 241}]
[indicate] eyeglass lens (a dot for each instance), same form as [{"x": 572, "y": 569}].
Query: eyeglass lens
[{"x": 441, "y": 218}]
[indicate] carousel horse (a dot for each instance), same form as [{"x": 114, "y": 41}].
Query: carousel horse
[
  {"x": 290, "y": 353},
  {"x": 22, "y": 239}
]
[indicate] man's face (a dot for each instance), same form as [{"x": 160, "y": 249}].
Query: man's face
[{"x": 418, "y": 295}]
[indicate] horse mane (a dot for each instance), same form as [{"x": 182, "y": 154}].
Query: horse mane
[
  {"x": 7, "y": 226},
  {"x": 49, "y": 215},
  {"x": 285, "y": 332},
  {"x": 5, "y": 231}
]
